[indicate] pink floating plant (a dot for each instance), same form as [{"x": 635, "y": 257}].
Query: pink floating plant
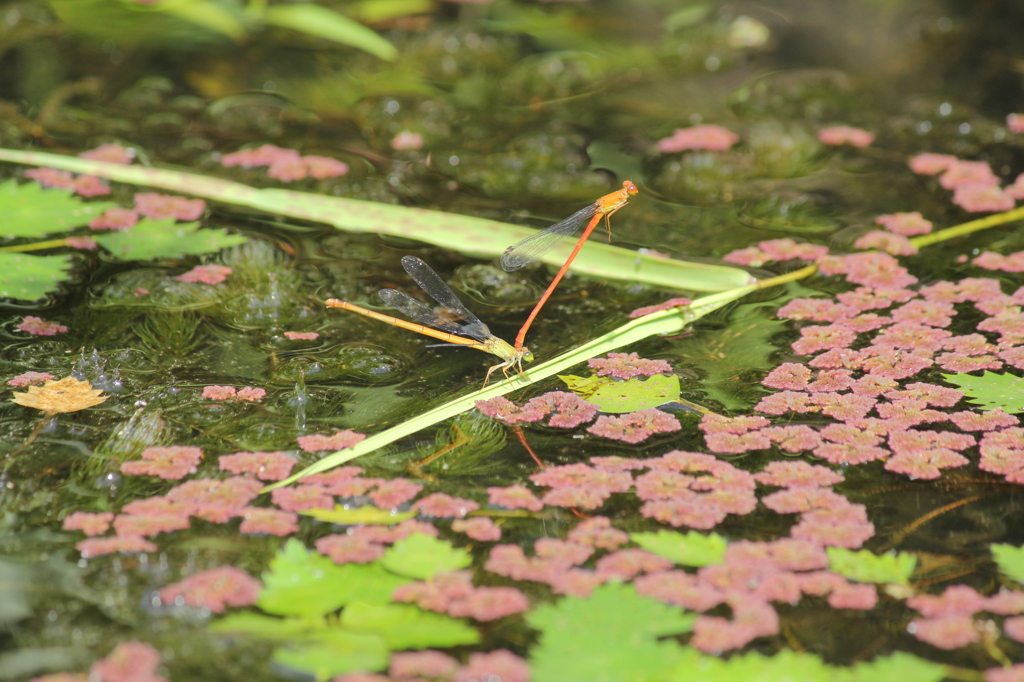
[
  {"x": 207, "y": 274},
  {"x": 30, "y": 379},
  {"x": 635, "y": 427},
  {"x": 344, "y": 549},
  {"x": 895, "y": 244},
  {"x": 481, "y": 529},
  {"x": 302, "y": 497},
  {"x": 266, "y": 466},
  {"x": 38, "y": 327},
  {"x": 302, "y": 336},
  {"x": 261, "y": 521},
  {"x": 130, "y": 661},
  {"x": 597, "y": 531},
  {"x": 905, "y": 224},
  {"x": 406, "y": 140},
  {"x": 339, "y": 441},
  {"x": 982, "y": 198},
  {"x": 115, "y": 219},
  {"x": 89, "y": 523},
  {"x": 160, "y": 206},
  {"x": 82, "y": 243},
  {"x": 709, "y": 137},
  {"x": 628, "y": 365},
  {"x": 495, "y": 665},
  {"x": 394, "y": 493},
  {"x": 51, "y": 178},
  {"x": 111, "y": 153},
  {"x": 214, "y": 589},
  {"x": 514, "y": 497},
  {"x": 170, "y": 463},
  {"x": 123, "y": 544},
  {"x": 422, "y": 664},
  {"x": 445, "y": 506},
  {"x": 931, "y": 164},
  {"x": 839, "y": 135},
  {"x": 950, "y": 632}
]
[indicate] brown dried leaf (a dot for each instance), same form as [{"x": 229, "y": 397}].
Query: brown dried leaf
[{"x": 67, "y": 395}]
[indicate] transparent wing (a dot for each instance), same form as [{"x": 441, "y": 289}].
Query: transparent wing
[
  {"x": 521, "y": 254},
  {"x": 452, "y": 316}
]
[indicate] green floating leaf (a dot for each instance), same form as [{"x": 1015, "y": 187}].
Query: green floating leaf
[
  {"x": 31, "y": 277},
  {"x": 338, "y": 653},
  {"x": 616, "y": 397},
  {"x": 423, "y": 556},
  {"x": 166, "y": 239},
  {"x": 31, "y": 211},
  {"x": 358, "y": 515},
  {"x": 210, "y": 15},
  {"x": 991, "y": 390},
  {"x": 866, "y": 567},
  {"x": 610, "y": 637},
  {"x": 689, "y": 549},
  {"x": 899, "y": 666},
  {"x": 403, "y": 626},
  {"x": 264, "y": 627},
  {"x": 1010, "y": 560},
  {"x": 321, "y": 22},
  {"x": 303, "y": 583},
  {"x": 785, "y": 666}
]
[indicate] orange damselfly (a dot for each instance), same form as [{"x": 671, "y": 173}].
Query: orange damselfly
[
  {"x": 453, "y": 322},
  {"x": 533, "y": 247}
]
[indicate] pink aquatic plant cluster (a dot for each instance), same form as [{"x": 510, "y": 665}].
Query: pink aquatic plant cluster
[
  {"x": 905, "y": 224},
  {"x": 709, "y": 137},
  {"x": 454, "y": 593},
  {"x": 417, "y": 666},
  {"x": 340, "y": 440},
  {"x": 30, "y": 379},
  {"x": 286, "y": 165},
  {"x": 247, "y": 394},
  {"x": 115, "y": 219},
  {"x": 842, "y": 134},
  {"x": 207, "y": 274},
  {"x": 775, "y": 250},
  {"x": 171, "y": 463},
  {"x": 161, "y": 206},
  {"x": 301, "y": 336},
  {"x": 947, "y": 619},
  {"x": 627, "y": 366},
  {"x": 994, "y": 261},
  {"x": 363, "y": 544},
  {"x": 111, "y": 153},
  {"x": 130, "y": 661},
  {"x": 266, "y": 466},
  {"x": 83, "y": 185},
  {"x": 568, "y": 410},
  {"x": 36, "y": 326},
  {"x": 976, "y": 188},
  {"x": 214, "y": 589}
]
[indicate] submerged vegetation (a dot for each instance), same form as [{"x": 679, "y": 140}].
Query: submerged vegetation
[{"x": 804, "y": 470}]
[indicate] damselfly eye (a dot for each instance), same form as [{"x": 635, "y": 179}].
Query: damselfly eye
[{"x": 630, "y": 187}]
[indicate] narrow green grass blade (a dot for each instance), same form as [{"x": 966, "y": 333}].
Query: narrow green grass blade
[
  {"x": 665, "y": 322},
  {"x": 466, "y": 234}
]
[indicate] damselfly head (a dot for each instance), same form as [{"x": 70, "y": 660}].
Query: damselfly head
[
  {"x": 630, "y": 187},
  {"x": 527, "y": 355}
]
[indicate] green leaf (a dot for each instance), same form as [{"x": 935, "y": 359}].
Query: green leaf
[
  {"x": 263, "y": 627},
  {"x": 898, "y": 666},
  {"x": 991, "y": 390},
  {"x": 357, "y": 515},
  {"x": 423, "y": 556},
  {"x": 30, "y": 211},
  {"x": 866, "y": 567},
  {"x": 375, "y": 11},
  {"x": 1010, "y": 560},
  {"x": 302, "y": 583},
  {"x": 403, "y": 626},
  {"x": 339, "y": 652},
  {"x": 689, "y": 549},
  {"x": 210, "y": 15},
  {"x": 166, "y": 238},
  {"x": 617, "y": 397},
  {"x": 31, "y": 277},
  {"x": 610, "y": 637},
  {"x": 785, "y": 666},
  {"x": 321, "y": 22}
]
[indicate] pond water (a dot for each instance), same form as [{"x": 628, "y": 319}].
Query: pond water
[{"x": 813, "y": 478}]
